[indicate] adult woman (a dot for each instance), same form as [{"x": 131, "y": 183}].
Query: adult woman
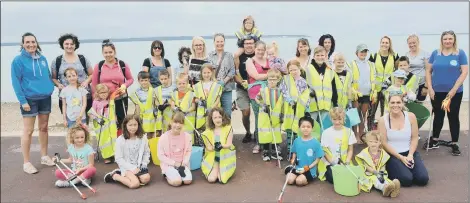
[
  {"x": 447, "y": 70},
  {"x": 418, "y": 61},
  {"x": 328, "y": 42},
  {"x": 69, "y": 43},
  {"x": 197, "y": 59},
  {"x": 257, "y": 68},
  {"x": 183, "y": 58},
  {"x": 303, "y": 54},
  {"x": 224, "y": 71},
  {"x": 33, "y": 87},
  {"x": 116, "y": 75},
  {"x": 156, "y": 63},
  {"x": 384, "y": 66},
  {"x": 400, "y": 131}
]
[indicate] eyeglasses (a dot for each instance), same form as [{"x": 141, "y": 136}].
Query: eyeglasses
[
  {"x": 157, "y": 47},
  {"x": 199, "y": 45}
]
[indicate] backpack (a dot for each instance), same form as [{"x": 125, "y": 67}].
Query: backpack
[
  {"x": 58, "y": 62},
  {"x": 121, "y": 64}
]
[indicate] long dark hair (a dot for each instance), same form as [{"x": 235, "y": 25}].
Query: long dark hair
[
  {"x": 321, "y": 42},
  {"x": 140, "y": 131},
  {"x": 35, "y": 39}
]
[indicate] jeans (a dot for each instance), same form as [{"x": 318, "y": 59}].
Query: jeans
[
  {"x": 226, "y": 102},
  {"x": 417, "y": 175},
  {"x": 71, "y": 123},
  {"x": 452, "y": 116}
]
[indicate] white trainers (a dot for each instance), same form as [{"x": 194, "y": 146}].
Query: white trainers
[
  {"x": 29, "y": 168},
  {"x": 46, "y": 160},
  {"x": 77, "y": 181},
  {"x": 62, "y": 183}
]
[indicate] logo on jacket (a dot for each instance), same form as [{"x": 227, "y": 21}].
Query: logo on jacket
[{"x": 43, "y": 63}]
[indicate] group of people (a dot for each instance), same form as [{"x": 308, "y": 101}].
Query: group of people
[{"x": 195, "y": 110}]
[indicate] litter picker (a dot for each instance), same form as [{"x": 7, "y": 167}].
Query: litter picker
[{"x": 71, "y": 177}]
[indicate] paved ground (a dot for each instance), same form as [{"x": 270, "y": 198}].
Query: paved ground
[{"x": 254, "y": 181}]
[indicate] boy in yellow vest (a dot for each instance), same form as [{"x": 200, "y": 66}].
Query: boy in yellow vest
[
  {"x": 162, "y": 101},
  {"x": 143, "y": 99},
  {"x": 399, "y": 77},
  {"x": 271, "y": 102},
  {"x": 183, "y": 99},
  {"x": 343, "y": 79}
]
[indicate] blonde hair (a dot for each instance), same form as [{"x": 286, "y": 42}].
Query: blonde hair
[
  {"x": 374, "y": 134},
  {"x": 246, "y": 19},
  {"x": 177, "y": 117},
  {"x": 75, "y": 129},
  {"x": 319, "y": 49},
  {"x": 73, "y": 70},
  {"x": 193, "y": 51},
  {"x": 99, "y": 88},
  {"x": 293, "y": 62},
  {"x": 413, "y": 36},
  {"x": 273, "y": 72},
  {"x": 390, "y": 49},
  {"x": 211, "y": 68},
  {"x": 456, "y": 49},
  {"x": 274, "y": 46},
  {"x": 182, "y": 76},
  {"x": 338, "y": 113},
  {"x": 339, "y": 56}
]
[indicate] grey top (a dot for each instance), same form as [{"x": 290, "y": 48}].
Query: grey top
[
  {"x": 417, "y": 65},
  {"x": 131, "y": 154},
  {"x": 227, "y": 68},
  {"x": 82, "y": 74}
]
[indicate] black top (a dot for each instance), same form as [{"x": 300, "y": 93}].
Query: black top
[
  {"x": 242, "y": 67},
  {"x": 384, "y": 58},
  {"x": 195, "y": 66},
  {"x": 321, "y": 71},
  {"x": 147, "y": 63}
]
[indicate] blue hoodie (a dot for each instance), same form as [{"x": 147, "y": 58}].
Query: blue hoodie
[{"x": 30, "y": 77}]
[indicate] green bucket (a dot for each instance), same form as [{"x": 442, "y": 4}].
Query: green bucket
[
  {"x": 422, "y": 113},
  {"x": 345, "y": 182}
]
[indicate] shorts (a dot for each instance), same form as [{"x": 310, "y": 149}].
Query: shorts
[
  {"x": 307, "y": 175},
  {"x": 243, "y": 100},
  {"x": 364, "y": 99},
  {"x": 71, "y": 123},
  {"x": 172, "y": 174},
  {"x": 41, "y": 106}
]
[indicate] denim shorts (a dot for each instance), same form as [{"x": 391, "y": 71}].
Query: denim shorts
[
  {"x": 41, "y": 106},
  {"x": 70, "y": 123}
]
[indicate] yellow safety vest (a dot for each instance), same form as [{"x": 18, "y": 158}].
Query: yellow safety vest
[
  {"x": 411, "y": 84},
  {"x": 356, "y": 75},
  {"x": 163, "y": 122},
  {"x": 228, "y": 157},
  {"x": 403, "y": 89},
  {"x": 241, "y": 33},
  {"x": 146, "y": 110},
  {"x": 265, "y": 129},
  {"x": 343, "y": 150},
  {"x": 185, "y": 104},
  {"x": 214, "y": 93},
  {"x": 364, "y": 159},
  {"x": 290, "y": 120},
  {"x": 343, "y": 89},
  {"x": 108, "y": 134},
  {"x": 382, "y": 73},
  {"x": 322, "y": 88}
]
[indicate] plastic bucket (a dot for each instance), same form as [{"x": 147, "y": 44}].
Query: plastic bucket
[
  {"x": 153, "y": 145},
  {"x": 328, "y": 123},
  {"x": 353, "y": 115},
  {"x": 345, "y": 183},
  {"x": 422, "y": 113},
  {"x": 196, "y": 158}
]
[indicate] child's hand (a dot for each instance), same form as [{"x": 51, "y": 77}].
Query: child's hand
[
  {"x": 65, "y": 123},
  {"x": 136, "y": 170}
]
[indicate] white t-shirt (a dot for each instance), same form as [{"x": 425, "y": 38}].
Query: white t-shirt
[{"x": 331, "y": 138}]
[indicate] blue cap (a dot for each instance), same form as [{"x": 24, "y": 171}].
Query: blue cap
[{"x": 399, "y": 74}]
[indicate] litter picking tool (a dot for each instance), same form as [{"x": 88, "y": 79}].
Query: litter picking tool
[
  {"x": 274, "y": 138},
  {"x": 200, "y": 142},
  {"x": 72, "y": 177},
  {"x": 101, "y": 123},
  {"x": 294, "y": 107},
  {"x": 279, "y": 200}
]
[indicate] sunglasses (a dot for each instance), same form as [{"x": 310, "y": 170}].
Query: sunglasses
[
  {"x": 157, "y": 47},
  {"x": 450, "y": 32},
  {"x": 107, "y": 43}
]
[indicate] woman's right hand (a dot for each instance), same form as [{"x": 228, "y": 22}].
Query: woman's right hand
[
  {"x": 26, "y": 107},
  {"x": 431, "y": 93}
]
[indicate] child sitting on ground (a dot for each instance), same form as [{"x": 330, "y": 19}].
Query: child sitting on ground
[{"x": 373, "y": 160}]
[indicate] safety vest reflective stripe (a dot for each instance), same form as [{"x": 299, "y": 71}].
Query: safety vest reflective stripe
[
  {"x": 322, "y": 87},
  {"x": 268, "y": 130},
  {"x": 241, "y": 33},
  {"x": 228, "y": 167},
  {"x": 343, "y": 89},
  {"x": 356, "y": 76},
  {"x": 108, "y": 143},
  {"x": 228, "y": 155}
]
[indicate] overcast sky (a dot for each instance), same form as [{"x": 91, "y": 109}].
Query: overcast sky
[{"x": 92, "y": 20}]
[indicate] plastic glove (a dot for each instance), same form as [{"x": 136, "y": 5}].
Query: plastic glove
[
  {"x": 312, "y": 93},
  {"x": 221, "y": 83},
  {"x": 306, "y": 168},
  {"x": 113, "y": 95},
  {"x": 373, "y": 97},
  {"x": 123, "y": 87},
  {"x": 202, "y": 103},
  {"x": 155, "y": 112},
  {"x": 161, "y": 107},
  {"x": 181, "y": 171},
  {"x": 218, "y": 146},
  {"x": 266, "y": 109},
  {"x": 100, "y": 121},
  {"x": 380, "y": 176}
]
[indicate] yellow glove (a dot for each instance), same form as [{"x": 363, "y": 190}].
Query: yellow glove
[
  {"x": 446, "y": 104},
  {"x": 123, "y": 87},
  {"x": 373, "y": 97}
]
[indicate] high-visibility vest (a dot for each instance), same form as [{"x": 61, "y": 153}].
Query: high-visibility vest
[
  {"x": 242, "y": 33},
  {"x": 228, "y": 157},
  {"x": 107, "y": 133},
  {"x": 403, "y": 89},
  {"x": 344, "y": 141},
  {"x": 291, "y": 119},
  {"x": 411, "y": 84},
  {"x": 146, "y": 110},
  {"x": 322, "y": 88},
  {"x": 214, "y": 93},
  {"x": 343, "y": 89},
  {"x": 364, "y": 159},
  {"x": 382, "y": 73},
  {"x": 265, "y": 129},
  {"x": 185, "y": 104},
  {"x": 163, "y": 119},
  {"x": 356, "y": 75}
]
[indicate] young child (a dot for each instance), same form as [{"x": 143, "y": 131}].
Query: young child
[
  {"x": 132, "y": 155},
  {"x": 183, "y": 100},
  {"x": 307, "y": 152},
  {"x": 162, "y": 101},
  {"x": 104, "y": 121},
  {"x": 343, "y": 81},
  {"x": 411, "y": 81},
  {"x": 174, "y": 151},
  {"x": 248, "y": 28},
  {"x": 144, "y": 100},
  {"x": 271, "y": 102},
  {"x": 399, "y": 86},
  {"x": 295, "y": 92},
  {"x": 82, "y": 157},
  {"x": 219, "y": 152},
  {"x": 272, "y": 53},
  {"x": 373, "y": 159},
  {"x": 207, "y": 93},
  {"x": 337, "y": 142},
  {"x": 73, "y": 99}
]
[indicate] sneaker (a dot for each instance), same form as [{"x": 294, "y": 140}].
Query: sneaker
[
  {"x": 87, "y": 181},
  {"x": 247, "y": 138},
  {"x": 273, "y": 155},
  {"x": 266, "y": 156},
  {"x": 433, "y": 144},
  {"x": 62, "y": 183},
  {"x": 108, "y": 178},
  {"x": 29, "y": 168},
  {"x": 256, "y": 149},
  {"x": 455, "y": 150},
  {"x": 46, "y": 160},
  {"x": 396, "y": 190},
  {"x": 388, "y": 188}
]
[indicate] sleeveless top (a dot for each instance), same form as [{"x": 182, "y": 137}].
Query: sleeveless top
[
  {"x": 400, "y": 140},
  {"x": 252, "y": 92},
  {"x": 154, "y": 71}
]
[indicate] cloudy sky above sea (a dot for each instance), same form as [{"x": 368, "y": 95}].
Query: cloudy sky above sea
[{"x": 97, "y": 20}]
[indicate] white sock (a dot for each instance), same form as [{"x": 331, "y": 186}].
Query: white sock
[{"x": 379, "y": 185}]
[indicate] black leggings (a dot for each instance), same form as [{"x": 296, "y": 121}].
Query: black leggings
[
  {"x": 452, "y": 116},
  {"x": 121, "y": 107},
  {"x": 420, "y": 97},
  {"x": 373, "y": 109}
]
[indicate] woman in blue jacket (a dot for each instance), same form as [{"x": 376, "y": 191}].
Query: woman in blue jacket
[{"x": 31, "y": 80}]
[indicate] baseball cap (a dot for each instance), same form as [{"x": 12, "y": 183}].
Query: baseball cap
[
  {"x": 399, "y": 73},
  {"x": 361, "y": 47}
]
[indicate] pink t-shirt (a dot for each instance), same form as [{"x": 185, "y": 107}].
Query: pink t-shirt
[
  {"x": 177, "y": 147},
  {"x": 111, "y": 76},
  {"x": 98, "y": 107},
  {"x": 252, "y": 92}
]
